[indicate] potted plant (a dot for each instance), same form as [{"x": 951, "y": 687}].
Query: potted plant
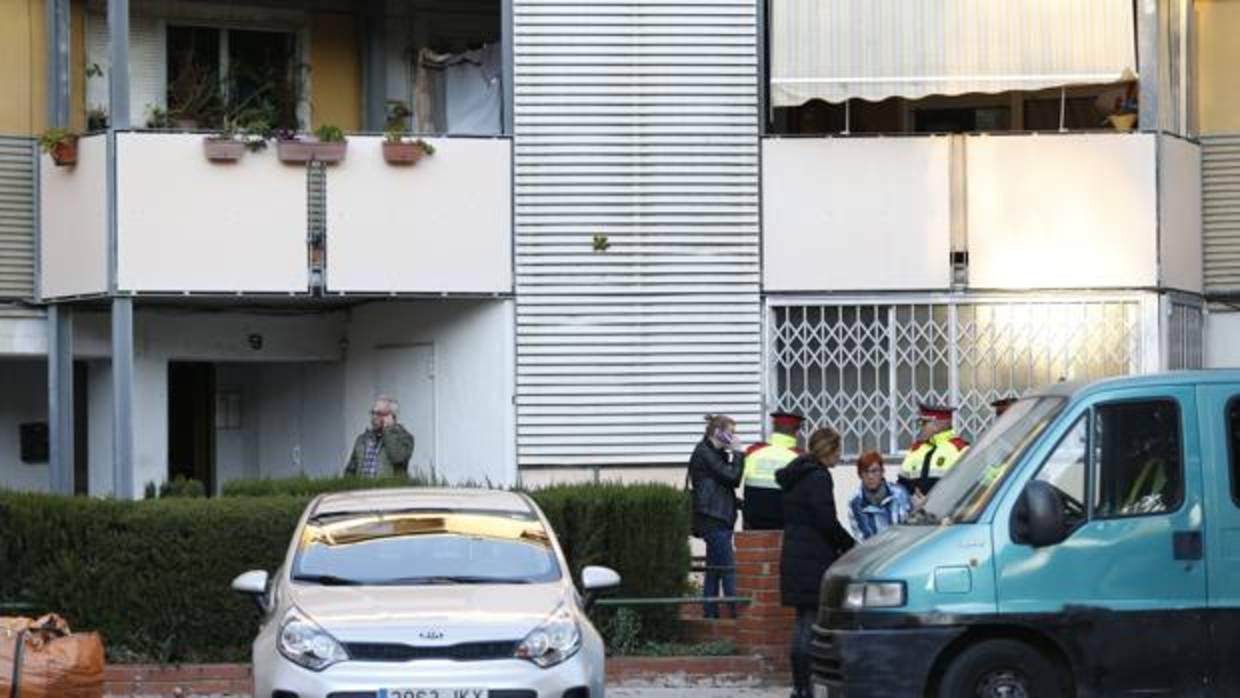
[
  {"x": 397, "y": 150},
  {"x": 232, "y": 142},
  {"x": 327, "y": 144},
  {"x": 61, "y": 144}
]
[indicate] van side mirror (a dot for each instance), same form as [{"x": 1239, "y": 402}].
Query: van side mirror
[
  {"x": 254, "y": 585},
  {"x": 1039, "y": 517},
  {"x": 596, "y": 580}
]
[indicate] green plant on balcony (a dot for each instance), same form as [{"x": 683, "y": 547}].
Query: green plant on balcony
[
  {"x": 61, "y": 144},
  {"x": 399, "y": 150},
  {"x": 327, "y": 144}
]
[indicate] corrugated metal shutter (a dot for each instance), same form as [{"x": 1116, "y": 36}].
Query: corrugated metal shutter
[
  {"x": 636, "y": 120},
  {"x": 148, "y": 65},
  {"x": 16, "y": 217},
  {"x": 1220, "y": 193}
]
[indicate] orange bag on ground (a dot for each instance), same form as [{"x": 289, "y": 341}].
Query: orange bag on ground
[{"x": 42, "y": 659}]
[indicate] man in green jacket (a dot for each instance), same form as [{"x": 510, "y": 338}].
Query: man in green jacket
[{"x": 384, "y": 449}]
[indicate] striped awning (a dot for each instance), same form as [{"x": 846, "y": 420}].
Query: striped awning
[{"x": 874, "y": 49}]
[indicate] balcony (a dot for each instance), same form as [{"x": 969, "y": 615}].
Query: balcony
[
  {"x": 1032, "y": 211},
  {"x": 185, "y": 225}
]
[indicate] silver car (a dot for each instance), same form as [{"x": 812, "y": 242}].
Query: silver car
[{"x": 425, "y": 593}]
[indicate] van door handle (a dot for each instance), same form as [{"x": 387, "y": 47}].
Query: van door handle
[{"x": 1186, "y": 545}]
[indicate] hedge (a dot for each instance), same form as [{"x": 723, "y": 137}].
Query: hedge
[
  {"x": 153, "y": 576},
  {"x": 305, "y": 486}
]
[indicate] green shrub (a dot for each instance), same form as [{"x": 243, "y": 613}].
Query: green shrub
[
  {"x": 641, "y": 531},
  {"x": 153, "y": 576},
  {"x": 181, "y": 487}
]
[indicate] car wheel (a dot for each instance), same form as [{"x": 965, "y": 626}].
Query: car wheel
[{"x": 1000, "y": 669}]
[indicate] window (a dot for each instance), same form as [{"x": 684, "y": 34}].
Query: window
[
  {"x": 1138, "y": 455},
  {"x": 1233, "y": 437},
  {"x": 1065, "y": 470}
]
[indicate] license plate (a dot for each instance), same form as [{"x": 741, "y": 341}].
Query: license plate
[{"x": 432, "y": 693}]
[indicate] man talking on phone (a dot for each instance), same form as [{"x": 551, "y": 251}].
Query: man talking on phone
[{"x": 384, "y": 449}]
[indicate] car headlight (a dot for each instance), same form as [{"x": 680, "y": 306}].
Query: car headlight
[
  {"x": 304, "y": 643},
  {"x": 861, "y": 595},
  {"x": 552, "y": 642}
]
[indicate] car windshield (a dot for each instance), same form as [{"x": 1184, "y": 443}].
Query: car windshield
[
  {"x": 410, "y": 549},
  {"x": 962, "y": 494}
]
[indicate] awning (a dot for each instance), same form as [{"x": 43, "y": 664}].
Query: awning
[{"x": 874, "y": 49}]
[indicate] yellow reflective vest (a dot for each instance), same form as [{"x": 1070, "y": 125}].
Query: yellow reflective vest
[
  {"x": 929, "y": 460},
  {"x": 764, "y": 507},
  {"x": 763, "y": 459}
]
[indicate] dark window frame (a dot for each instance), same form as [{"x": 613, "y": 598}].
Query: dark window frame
[
  {"x": 1233, "y": 468},
  {"x": 1096, "y": 472}
]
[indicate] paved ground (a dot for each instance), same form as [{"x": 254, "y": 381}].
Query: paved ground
[{"x": 686, "y": 692}]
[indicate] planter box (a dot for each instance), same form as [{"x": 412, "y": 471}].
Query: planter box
[
  {"x": 223, "y": 149},
  {"x": 402, "y": 153},
  {"x": 64, "y": 154},
  {"x": 305, "y": 151}
]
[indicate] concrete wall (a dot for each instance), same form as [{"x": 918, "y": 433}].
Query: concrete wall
[
  {"x": 25, "y": 400},
  {"x": 1180, "y": 234},
  {"x": 304, "y": 395},
  {"x": 240, "y": 227},
  {"x": 829, "y": 222},
  {"x": 474, "y": 418},
  {"x": 1223, "y": 340},
  {"x": 1031, "y": 198},
  {"x": 289, "y": 420},
  {"x": 73, "y": 209}
]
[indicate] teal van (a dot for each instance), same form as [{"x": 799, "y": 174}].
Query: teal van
[{"x": 1088, "y": 544}]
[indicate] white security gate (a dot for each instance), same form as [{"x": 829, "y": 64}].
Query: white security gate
[
  {"x": 1185, "y": 333},
  {"x": 637, "y": 249},
  {"x": 863, "y": 368}
]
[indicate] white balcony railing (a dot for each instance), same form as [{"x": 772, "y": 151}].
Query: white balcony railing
[
  {"x": 187, "y": 225},
  {"x": 1033, "y": 211}
]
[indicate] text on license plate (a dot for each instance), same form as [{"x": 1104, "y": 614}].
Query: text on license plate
[{"x": 432, "y": 693}]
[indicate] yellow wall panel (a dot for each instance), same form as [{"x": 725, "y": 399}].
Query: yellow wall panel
[
  {"x": 23, "y": 55},
  {"x": 335, "y": 71},
  {"x": 1218, "y": 54}
]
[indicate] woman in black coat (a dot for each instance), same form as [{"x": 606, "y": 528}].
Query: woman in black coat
[
  {"x": 715, "y": 470},
  {"x": 813, "y": 539}
]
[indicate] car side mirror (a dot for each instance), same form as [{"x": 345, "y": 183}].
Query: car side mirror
[
  {"x": 254, "y": 585},
  {"x": 596, "y": 580},
  {"x": 1038, "y": 518}
]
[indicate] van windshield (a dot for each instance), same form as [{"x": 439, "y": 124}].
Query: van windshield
[{"x": 962, "y": 494}]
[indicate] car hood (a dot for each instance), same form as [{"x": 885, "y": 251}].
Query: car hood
[
  {"x": 875, "y": 557},
  {"x": 433, "y": 615}
]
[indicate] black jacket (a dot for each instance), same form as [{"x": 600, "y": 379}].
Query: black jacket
[
  {"x": 813, "y": 536},
  {"x": 715, "y": 474}
]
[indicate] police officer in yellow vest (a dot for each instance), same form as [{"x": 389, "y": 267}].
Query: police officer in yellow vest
[
  {"x": 764, "y": 504},
  {"x": 935, "y": 451}
]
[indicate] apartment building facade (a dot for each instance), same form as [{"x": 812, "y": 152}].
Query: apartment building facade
[{"x": 637, "y": 212}]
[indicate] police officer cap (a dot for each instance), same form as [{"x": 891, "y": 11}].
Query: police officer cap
[
  {"x": 928, "y": 411},
  {"x": 790, "y": 419}
]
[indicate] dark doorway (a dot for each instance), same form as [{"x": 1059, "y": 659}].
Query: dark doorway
[
  {"x": 81, "y": 427},
  {"x": 191, "y": 422}
]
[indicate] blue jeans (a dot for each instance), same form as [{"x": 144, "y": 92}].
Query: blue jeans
[{"x": 719, "y": 554}]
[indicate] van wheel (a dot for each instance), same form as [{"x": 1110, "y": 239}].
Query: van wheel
[{"x": 1000, "y": 669}]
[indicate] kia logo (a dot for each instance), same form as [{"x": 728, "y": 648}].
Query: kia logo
[{"x": 431, "y": 635}]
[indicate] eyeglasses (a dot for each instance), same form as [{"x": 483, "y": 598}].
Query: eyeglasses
[
  {"x": 873, "y": 471},
  {"x": 379, "y": 413}
]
